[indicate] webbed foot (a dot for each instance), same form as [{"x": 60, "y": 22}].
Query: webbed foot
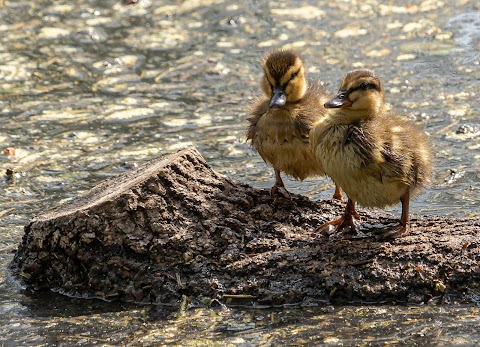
[
  {"x": 280, "y": 191},
  {"x": 347, "y": 220}
]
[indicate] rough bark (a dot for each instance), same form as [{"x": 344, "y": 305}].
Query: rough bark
[{"x": 174, "y": 227}]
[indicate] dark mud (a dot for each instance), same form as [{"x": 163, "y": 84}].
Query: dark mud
[{"x": 174, "y": 230}]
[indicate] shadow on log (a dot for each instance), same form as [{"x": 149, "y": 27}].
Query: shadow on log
[{"x": 174, "y": 227}]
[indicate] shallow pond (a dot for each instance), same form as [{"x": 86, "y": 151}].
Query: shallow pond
[{"x": 92, "y": 89}]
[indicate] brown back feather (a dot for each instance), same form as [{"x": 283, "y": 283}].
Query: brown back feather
[{"x": 406, "y": 163}]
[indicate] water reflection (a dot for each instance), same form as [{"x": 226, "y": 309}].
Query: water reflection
[
  {"x": 49, "y": 319},
  {"x": 90, "y": 90}
]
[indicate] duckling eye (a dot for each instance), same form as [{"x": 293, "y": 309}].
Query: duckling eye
[
  {"x": 364, "y": 86},
  {"x": 293, "y": 75}
]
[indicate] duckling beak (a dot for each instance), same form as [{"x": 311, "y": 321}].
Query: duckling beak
[
  {"x": 278, "y": 98},
  {"x": 341, "y": 100}
]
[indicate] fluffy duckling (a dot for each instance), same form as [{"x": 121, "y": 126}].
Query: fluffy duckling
[
  {"x": 280, "y": 122},
  {"x": 375, "y": 156}
]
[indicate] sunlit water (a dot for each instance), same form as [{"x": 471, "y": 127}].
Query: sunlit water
[{"x": 92, "y": 89}]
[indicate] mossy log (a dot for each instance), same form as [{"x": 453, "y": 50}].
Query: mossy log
[{"x": 175, "y": 228}]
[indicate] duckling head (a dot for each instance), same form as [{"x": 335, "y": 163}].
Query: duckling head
[
  {"x": 361, "y": 92},
  {"x": 284, "y": 79}
]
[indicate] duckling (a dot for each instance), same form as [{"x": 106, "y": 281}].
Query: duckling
[
  {"x": 280, "y": 122},
  {"x": 377, "y": 157}
]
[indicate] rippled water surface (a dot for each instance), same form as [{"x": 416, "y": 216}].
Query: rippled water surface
[{"x": 91, "y": 89}]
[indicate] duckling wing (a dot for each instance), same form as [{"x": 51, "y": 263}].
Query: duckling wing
[
  {"x": 394, "y": 165},
  {"x": 258, "y": 110},
  {"x": 405, "y": 153},
  {"x": 377, "y": 155},
  {"x": 359, "y": 140},
  {"x": 395, "y": 142}
]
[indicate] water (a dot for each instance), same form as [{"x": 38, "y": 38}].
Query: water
[{"x": 93, "y": 89}]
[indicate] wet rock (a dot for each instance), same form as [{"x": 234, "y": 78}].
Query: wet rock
[
  {"x": 306, "y": 12},
  {"x": 428, "y": 47},
  {"x": 173, "y": 229},
  {"x": 131, "y": 114},
  {"x": 406, "y": 57},
  {"x": 117, "y": 84},
  {"x": 350, "y": 31},
  {"x": 378, "y": 53},
  {"x": 52, "y": 33},
  {"x": 121, "y": 64},
  {"x": 466, "y": 129},
  {"x": 91, "y": 35},
  {"x": 466, "y": 27}
]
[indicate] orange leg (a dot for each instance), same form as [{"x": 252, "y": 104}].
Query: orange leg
[
  {"x": 346, "y": 220},
  {"x": 338, "y": 193},
  {"x": 404, "y": 228},
  {"x": 279, "y": 187}
]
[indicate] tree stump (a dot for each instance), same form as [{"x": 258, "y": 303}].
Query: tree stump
[{"x": 175, "y": 228}]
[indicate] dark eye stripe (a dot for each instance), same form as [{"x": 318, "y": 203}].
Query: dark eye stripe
[
  {"x": 294, "y": 74},
  {"x": 370, "y": 86}
]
